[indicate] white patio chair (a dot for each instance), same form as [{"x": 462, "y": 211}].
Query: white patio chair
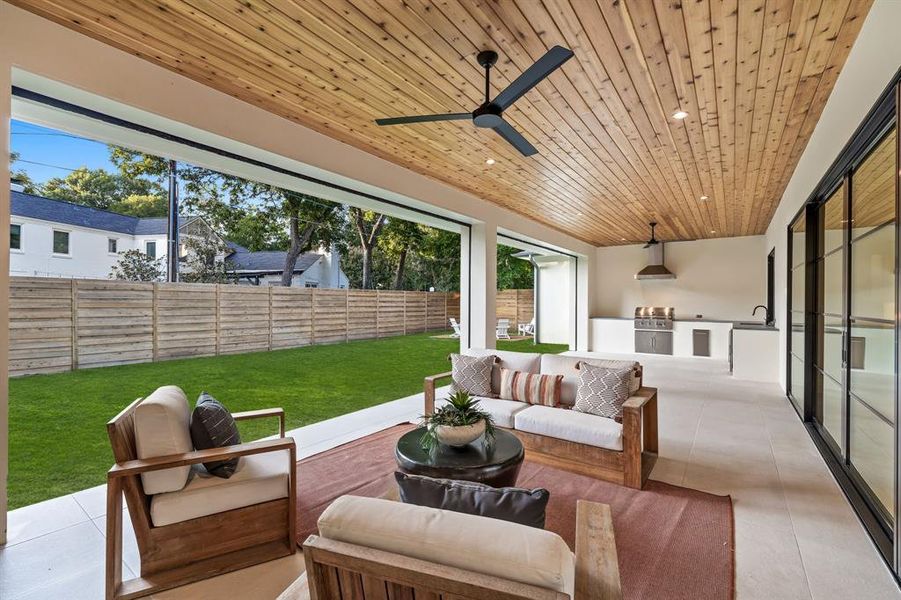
[
  {"x": 456, "y": 327},
  {"x": 527, "y": 328},
  {"x": 503, "y": 329}
]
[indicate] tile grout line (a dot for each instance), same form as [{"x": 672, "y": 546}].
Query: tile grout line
[{"x": 788, "y": 508}]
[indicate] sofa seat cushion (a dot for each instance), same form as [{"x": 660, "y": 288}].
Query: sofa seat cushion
[
  {"x": 162, "y": 427},
  {"x": 502, "y": 411},
  {"x": 258, "y": 478},
  {"x": 572, "y": 426},
  {"x": 482, "y": 544}
]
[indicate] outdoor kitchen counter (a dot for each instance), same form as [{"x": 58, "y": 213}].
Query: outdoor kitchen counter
[{"x": 617, "y": 335}]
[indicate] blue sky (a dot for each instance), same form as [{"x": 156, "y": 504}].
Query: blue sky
[{"x": 65, "y": 152}]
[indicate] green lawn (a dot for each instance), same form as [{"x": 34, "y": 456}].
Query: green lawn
[{"x": 57, "y": 433}]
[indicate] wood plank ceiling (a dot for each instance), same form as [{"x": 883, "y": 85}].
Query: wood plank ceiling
[{"x": 753, "y": 76}]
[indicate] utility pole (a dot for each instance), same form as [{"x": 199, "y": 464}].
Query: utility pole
[{"x": 172, "y": 225}]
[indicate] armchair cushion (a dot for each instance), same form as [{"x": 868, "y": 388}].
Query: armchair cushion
[
  {"x": 571, "y": 426},
  {"x": 212, "y": 426},
  {"x": 258, "y": 478},
  {"x": 162, "y": 428},
  {"x": 490, "y": 546}
]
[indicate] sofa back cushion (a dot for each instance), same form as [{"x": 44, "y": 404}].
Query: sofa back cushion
[
  {"x": 568, "y": 366},
  {"x": 527, "y": 362},
  {"x": 162, "y": 427},
  {"x": 489, "y": 546}
]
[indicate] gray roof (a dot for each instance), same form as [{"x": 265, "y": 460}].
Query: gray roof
[
  {"x": 269, "y": 261},
  {"x": 68, "y": 213},
  {"x": 58, "y": 211}
]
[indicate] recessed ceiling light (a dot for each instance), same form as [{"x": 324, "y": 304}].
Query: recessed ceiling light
[
  {"x": 490, "y": 161},
  {"x": 705, "y": 198},
  {"x": 713, "y": 231},
  {"x": 580, "y": 214},
  {"x": 622, "y": 239},
  {"x": 680, "y": 114}
]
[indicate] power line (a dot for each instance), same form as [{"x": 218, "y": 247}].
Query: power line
[{"x": 40, "y": 164}]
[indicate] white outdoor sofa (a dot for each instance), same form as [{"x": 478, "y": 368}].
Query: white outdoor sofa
[{"x": 622, "y": 453}]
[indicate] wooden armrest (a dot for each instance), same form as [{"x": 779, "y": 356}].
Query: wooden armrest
[
  {"x": 640, "y": 398},
  {"x": 429, "y": 391},
  {"x": 135, "y": 467},
  {"x": 597, "y": 566},
  {"x": 262, "y": 413}
]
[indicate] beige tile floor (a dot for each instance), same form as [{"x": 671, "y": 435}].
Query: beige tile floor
[{"x": 796, "y": 536}]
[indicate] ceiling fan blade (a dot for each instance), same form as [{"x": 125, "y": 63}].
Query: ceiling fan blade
[
  {"x": 543, "y": 67},
  {"x": 424, "y": 119},
  {"x": 506, "y": 131}
]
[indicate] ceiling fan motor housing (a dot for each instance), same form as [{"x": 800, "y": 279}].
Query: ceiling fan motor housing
[{"x": 488, "y": 115}]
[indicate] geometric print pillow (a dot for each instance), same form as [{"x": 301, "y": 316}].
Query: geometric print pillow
[
  {"x": 472, "y": 374},
  {"x": 602, "y": 390}
]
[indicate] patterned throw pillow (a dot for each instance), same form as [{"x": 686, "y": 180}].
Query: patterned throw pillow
[
  {"x": 472, "y": 374},
  {"x": 531, "y": 387},
  {"x": 602, "y": 391},
  {"x": 212, "y": 426}
]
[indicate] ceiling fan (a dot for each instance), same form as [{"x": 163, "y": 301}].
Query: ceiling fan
[
  {"x": 653, "y": 241},
  {"x": 490, "y": 114}
]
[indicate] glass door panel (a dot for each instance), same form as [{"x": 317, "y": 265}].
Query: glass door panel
[
  {"x": 829, "y": 359},
  {"x": 871, "y": 380},
  {"x": 797, "y": 312}
]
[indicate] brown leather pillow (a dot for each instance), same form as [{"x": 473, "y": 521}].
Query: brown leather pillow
[{"x": 526, "y": 507}]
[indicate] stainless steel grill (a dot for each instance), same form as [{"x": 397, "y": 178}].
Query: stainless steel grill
[{"x": 654, "y": 329}]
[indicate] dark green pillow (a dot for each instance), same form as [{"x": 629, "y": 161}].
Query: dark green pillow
[
  {"x": 526, "y": 507},
  {"x": 212, "y": 426}
]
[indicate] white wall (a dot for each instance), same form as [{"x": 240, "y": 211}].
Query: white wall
[
  {"x": 874, "y": 59},
  {"x": 719, "y": 279},
  {"x": 88, "y": 251},
  {"x": 555, "y": 304}
]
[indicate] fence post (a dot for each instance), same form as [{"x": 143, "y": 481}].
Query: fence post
[
  {"x": 74, "y": 287},
  {"x": 156, "y": 322},
  {"x": 270, "y": 318},
  {"x": 346, "y": 314},
  {"x": 312, "y": 316},
  {"x": 378, "y": 312},
  {"x": 405, "y": 311},
  {"x": 218, "y": 316}
]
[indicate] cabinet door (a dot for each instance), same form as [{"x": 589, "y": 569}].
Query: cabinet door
[
  {"x": 663, "y": 343},
  {"x": 643, "y": 341}
]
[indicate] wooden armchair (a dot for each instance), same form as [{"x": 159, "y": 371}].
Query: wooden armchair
[
  {"x": 195, "y": 549},
  {"x": 343, "y": 571}
]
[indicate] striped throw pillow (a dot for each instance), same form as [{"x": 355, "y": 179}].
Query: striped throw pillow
[{"x": 531, "y": 387}]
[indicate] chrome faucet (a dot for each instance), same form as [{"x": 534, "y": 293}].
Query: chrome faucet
[{"x": 766, "y": 313}]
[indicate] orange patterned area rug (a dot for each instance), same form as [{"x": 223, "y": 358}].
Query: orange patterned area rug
[{"x": 673, "y": 542}]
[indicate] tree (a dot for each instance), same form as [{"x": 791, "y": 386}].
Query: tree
[
  {"x": 512, "y": 273},
  {"x": 204, "y": 261},
  {"x": 398, "y": 240},
  {"x": 98, "y": 188},
  {"x": 134, "y": 265},
  {"x": 368, "y": 225},
  {"x": 142, "y": 206},
  {"x": 255, "y": 215},
  {"x": 20, "y": 175}
]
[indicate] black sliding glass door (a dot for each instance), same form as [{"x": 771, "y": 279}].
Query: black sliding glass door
[{"x": 842, "y": 349}]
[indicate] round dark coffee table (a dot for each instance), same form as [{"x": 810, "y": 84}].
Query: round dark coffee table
[{"x": 497, "y": 465}]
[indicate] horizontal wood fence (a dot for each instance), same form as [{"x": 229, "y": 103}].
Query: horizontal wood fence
[
  {"x": 516, "y": 305},
  {"x": 64, "y": 324}
]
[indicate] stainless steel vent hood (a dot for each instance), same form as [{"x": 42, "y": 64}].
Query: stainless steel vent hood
[{"x": 655, "y": 268}]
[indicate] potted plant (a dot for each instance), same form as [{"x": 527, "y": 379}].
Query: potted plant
[{"x": 457, "y": 423}]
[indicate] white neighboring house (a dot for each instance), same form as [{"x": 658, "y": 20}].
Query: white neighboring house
[
  {"x": 320, "y": 269},
  {"x": 54, "y": 238}
]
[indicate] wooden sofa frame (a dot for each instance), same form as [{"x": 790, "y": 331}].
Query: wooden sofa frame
[
  {"x": 630, "y": 467},
  {"x": 180, "y": 553},
  {"x": 342, "y": 571}
]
